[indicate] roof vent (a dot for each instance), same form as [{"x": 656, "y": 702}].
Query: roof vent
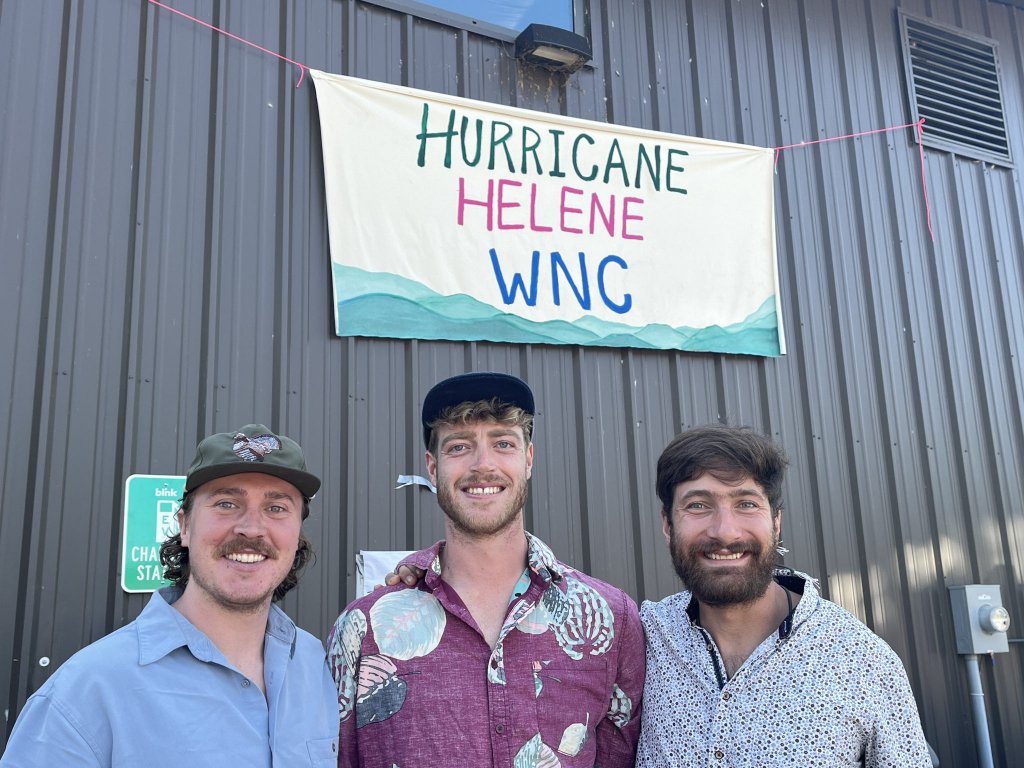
[{"x": 954, "y": 86}]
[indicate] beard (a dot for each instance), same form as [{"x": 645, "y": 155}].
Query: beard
[
  {"x": 470, "y": 522},
  {"x": 239, "y": 601},
  {"x": 725, "y": 585}
]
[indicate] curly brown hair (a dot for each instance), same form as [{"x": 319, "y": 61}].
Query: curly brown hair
[
  {"x": 174, "y": 556},
  {"x": 480, "y": 410}
]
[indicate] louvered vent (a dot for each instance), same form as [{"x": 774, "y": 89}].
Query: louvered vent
[{"x": 954, "y": 86}]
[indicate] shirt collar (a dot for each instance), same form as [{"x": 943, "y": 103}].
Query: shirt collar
[
  {"x": 540, "y": 560},
  {"x": 790, "y": 580},
  {"x": 163, "y": 629}
]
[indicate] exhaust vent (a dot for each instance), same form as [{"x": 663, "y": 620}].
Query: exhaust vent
[{"x": 954, "y": 85}]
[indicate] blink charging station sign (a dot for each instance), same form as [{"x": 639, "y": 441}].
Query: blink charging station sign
[{"x": 150, "y": 505}]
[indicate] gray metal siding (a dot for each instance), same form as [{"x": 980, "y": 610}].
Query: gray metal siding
[{"x": 163, "y": 239}]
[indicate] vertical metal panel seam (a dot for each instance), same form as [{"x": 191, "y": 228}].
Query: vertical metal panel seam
[
  {"x": 407, "y": 45},
  {"x": 578, "y": 353},
  {"x": 796, "y": 329},
  {"x": 525, "y": 354},
  {"x": 632, "y": 474},
  {"x": 412, "y": 418},
  {"x": 734, "y": 63},
  {"x": 691, "y": 34},
  {"x": 128, "y": 338},
  {"x": 30, "y": 566},
  {"x": 838, "y": 348},
  {"x": 942, "y": 332},
  {"x": 606, "y": 57},
  {"x": 278, "y": 388},
  {"x": 885, "y": 418},
  {"x": 204, "y": 419},
  {"x": 874, "y": 350},
  {"x": 915, "y": 377},
  {"x": 652, "y": 66}
]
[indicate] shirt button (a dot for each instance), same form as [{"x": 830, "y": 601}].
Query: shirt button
[
  {"x": 726, "y": 696},
  {"x": 246, "y": 683},
  {"x": 499, "y": 728},
  {"x": 719, "y": 754}
]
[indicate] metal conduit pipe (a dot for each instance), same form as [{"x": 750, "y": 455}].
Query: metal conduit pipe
[{"x": 978, "y": 707}]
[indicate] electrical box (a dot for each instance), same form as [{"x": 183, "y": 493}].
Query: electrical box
[{"x": 979, "y": 619}]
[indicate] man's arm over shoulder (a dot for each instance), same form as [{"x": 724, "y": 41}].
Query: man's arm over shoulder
[
  {"x": 619, "y": 731},
  {"x": 46, "y": 733}
]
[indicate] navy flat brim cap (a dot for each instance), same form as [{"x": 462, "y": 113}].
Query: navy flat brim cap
[
  {"x": 252, "y": 448},
  {"x": 471, "y": 387}
]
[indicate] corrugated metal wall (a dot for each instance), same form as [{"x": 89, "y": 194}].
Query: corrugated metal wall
[{"x": 165, "y": 275}]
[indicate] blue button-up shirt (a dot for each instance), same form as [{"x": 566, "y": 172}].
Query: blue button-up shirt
[{"x": 157, "y": 693}]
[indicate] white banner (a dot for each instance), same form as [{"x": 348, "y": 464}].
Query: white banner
[{"x": 452, "y": 218}]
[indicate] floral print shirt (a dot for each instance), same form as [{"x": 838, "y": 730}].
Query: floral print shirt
[
  {"x": 419, "y": 687},
  {"x": 821, "y": 692}
]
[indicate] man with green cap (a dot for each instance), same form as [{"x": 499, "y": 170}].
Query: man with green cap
[{"x": 211, "y": 673}]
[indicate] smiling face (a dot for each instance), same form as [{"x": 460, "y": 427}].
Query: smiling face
[
  {"x": 723, "y": 538},
  {"x": 481, "y": 471},
  {"x": 242, "y": 533}
]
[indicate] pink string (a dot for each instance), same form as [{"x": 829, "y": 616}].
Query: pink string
[
  {"x": 924, "y": 184},
  {"x": 920, "y": 150},
  {"x": 302, "y": 67},
  {"x": 919, "y": 124}
]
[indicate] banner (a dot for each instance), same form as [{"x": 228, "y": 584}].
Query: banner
[{"x": 451, "y": 218}]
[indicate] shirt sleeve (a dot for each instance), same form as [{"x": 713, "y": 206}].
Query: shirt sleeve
[
  {"x": 45, "y": 735},
  {"x": 619, "y": 730},
  {"x": 896, "y": 739}
]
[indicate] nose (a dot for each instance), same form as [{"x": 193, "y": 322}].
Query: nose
[
  {"x": 483, "y": 458},
  {"x": 250, "y": 523},
  {"x": 724, "y": 526}
]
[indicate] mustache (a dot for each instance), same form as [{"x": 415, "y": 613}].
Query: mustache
[
  {"x": 710, "y": 546},
  {"x": 235, "y": 546},
  {"x": 480, "y": 479}
]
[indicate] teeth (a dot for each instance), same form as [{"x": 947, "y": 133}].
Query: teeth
[
  {"x": 490, "y": 490},
  {"x": 246, "y": 557},
  {"x": 730, "y": 556}
]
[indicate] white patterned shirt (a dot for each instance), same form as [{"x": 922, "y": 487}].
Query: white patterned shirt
[{"x": 821, "y": 692}]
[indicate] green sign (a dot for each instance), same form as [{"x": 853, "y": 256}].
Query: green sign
[{"x": 150, "y": 509}]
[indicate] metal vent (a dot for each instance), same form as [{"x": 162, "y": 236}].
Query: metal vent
[{"x": 954, "y": 86}]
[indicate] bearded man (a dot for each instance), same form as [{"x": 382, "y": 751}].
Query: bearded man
[
  {"x": 750, "y": 666},
  {"x": 501, "y": 655}
]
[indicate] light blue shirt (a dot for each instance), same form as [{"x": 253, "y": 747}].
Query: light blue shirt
[{"x": 158, "y": 693}]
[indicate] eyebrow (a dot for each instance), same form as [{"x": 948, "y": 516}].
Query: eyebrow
[
  {"x": 273, "y": 495},
  {"x": 471, "y": 435},
  {"x": 735, "y": 493}
]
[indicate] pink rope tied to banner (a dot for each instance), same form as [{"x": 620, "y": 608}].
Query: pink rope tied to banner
[
  {"x": 919, "y": 124},
  {"x": 920, "y": 151},
  {"x": 302, "y": 67}
]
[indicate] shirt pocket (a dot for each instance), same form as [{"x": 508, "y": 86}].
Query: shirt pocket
[
  {"x": 323, "y": 753},
  {"x": 571, "y": 698}
]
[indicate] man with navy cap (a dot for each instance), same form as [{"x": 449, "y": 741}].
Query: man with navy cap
[
  {"x": 501, "y": 655},
  {"x": 211, "y": 673}
]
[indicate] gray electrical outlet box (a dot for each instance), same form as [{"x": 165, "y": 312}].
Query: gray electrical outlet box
[{"x": 979, "y": 619}]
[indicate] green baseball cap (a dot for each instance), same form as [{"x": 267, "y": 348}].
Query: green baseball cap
[{"x": 252, "y": 448}]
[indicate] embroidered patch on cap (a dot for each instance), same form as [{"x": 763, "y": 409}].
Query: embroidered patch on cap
[{"x": 254, "y": 448}]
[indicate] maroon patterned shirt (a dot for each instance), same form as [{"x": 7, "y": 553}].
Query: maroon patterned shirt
[{"x": 419, "y": 687}]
